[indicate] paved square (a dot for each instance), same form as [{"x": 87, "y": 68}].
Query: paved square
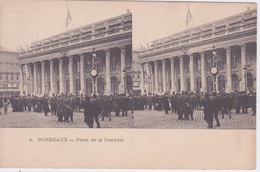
[
  {"x": 157, "y": 119},
  {"x": 38, "y": 120}
]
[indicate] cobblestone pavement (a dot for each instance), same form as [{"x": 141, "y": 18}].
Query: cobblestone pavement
[
  {"x": 38, "y": 120},
  {"x": 142, "y": 119},
  {"x": 157, "y": 119}
]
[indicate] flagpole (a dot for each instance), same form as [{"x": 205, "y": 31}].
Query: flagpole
[
  {"x": 190, "y": 14},
  {"x": 68, "y": 13}
]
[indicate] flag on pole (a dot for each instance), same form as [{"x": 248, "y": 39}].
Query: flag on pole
[
  {"x": 189, "y": 17},
  {"x": 68, "y": 18}
]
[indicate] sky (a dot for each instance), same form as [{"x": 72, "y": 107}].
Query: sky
[{"x": 25, "y": 21}]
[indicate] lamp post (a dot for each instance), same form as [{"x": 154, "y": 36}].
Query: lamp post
[
  {"x": 93, "y": 71},
  {"x": 214, "y": 68},
  {"x": 245, "y": 75}
]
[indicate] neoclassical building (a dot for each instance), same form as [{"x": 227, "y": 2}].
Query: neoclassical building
[
  {"x": 9, "y": 73},
  {"x": 62, "y": 63},
  {"x": 182, "y": 61}
]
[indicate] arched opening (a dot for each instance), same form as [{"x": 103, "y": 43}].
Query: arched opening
[
  {"x": 188, "y": 84},
  {"x": 100, "y": 85},
  {"x": 89, "y": 86},
  {"x": 67, "y": 89},
  {"x": 114, "y": 85},
  {"x": 77, "y": 86},
  {"x": 209, "y": 84},
  {"x": 221, "y": 83},
  {"x": 235, "y": 82},
  {"x": 179, "y": 85},
  {"x": 198, "y": 83},
  {"x": 129, "y": 85},
  {"x": 250, "y": 82}
]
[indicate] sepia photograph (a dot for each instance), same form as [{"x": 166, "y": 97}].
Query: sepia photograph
[{"x": 128, "y": 84}]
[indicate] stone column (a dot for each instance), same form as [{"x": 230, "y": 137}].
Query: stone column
[
  {"x": 21, "y": 80},
  {"x": 228, "y": 69},
  {"x": 192, "y": 82},
  {"x": 203, "y": 75},
  {"x": 151, "y": 76},
  {"x": 156, "y": 76},
  {"x": 71, "y": 74},
  {"x": 182, "y": 73},
  {"x": 43, "y": 77},
  {"x": 35, "y": 82},
  {"x": 82, "y": 74},
  {"x": 26, "y": 86},
  {"x": 243, "y": 64},
  {"x": 51, "y": 77},
  {"x": 61, "y": 75},
  {"x": 122, "y": 83},
  {"x": 142, "y": 78},
  {"x": 108, "y": 77},
  {"x": 164, "y": 75},
  {"x": 172, "y": 76}
]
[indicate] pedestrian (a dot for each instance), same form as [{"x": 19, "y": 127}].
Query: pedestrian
[
  {"x": 1, "y": 104},
  {"x": 208, "y": 113},
  {"x": 95, "y": 109},
  {"x": 88, "y": 115},
  {"x": 29, "y": 103},
  {"x": 5, "y": 105},
  {"x": 165, "y": 104},
  {"x": 45, "y": 106}
]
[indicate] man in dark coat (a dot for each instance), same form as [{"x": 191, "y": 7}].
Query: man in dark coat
[
  {"x": 165, "y": 104},
  {"x": 95, "y": 109},
  {"x": 29, "y": 103},
  {"x": 1, "y": 104},
  {"x": 216, "y": 107},
  {"x": 68, "y": 109},
  {"x": 53, "y": 104},
  {"x": 45, "y": 106},
  {"x": 208, "y": 113},
  {"x": 88, "y": 115}
]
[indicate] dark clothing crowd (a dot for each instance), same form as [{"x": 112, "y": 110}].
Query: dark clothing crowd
[
  {"x": 182, "y": 104},
  {"x": 63, "y": 106}
]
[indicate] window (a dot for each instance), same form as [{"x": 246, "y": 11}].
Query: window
[
  {"x": 250, "y": 82},
  {"x": 113, "y": 63},
  {"x": 138, "y": 76},
  {"x": 1, "y": 77},
  {"x": 6, "y": 77},
  {"x": 221, "y": 83},
  {"x": 188, "y": 84},
  {"x": 221, "y": 62},
  {"x": 209, "y": 84},
  {"x": 234, "y": 61},
  {"x": 12, "y": 77},
  {"x": 17, "y": 76},
  {"x": 235, "y": 83},
  {"x": 114, "y": 85}
]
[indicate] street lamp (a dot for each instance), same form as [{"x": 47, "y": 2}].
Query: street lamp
[
  {"x": 93, "y": 71},
  {"x": 214, "y": 68},
  {"x": 245, "y": 75},
  {"x": 124, "y": 72}
]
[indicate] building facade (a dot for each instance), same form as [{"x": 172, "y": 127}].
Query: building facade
[
  {"x": 62, "y": 63},
  {"x": 9, "y": 73},
  {"x": 136, "y": 73},
  {"x": 182, "y": 61}
]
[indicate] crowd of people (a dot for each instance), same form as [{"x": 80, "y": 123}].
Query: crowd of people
[{"x": 182, "y": 104}]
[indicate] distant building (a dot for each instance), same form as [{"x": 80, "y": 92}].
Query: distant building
[
  {"x": 182, "y": 61},
  {"x": 62, "y": 63},
  {"x": 136, "y": 73},
  {"x": 9, "y": 73}
]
